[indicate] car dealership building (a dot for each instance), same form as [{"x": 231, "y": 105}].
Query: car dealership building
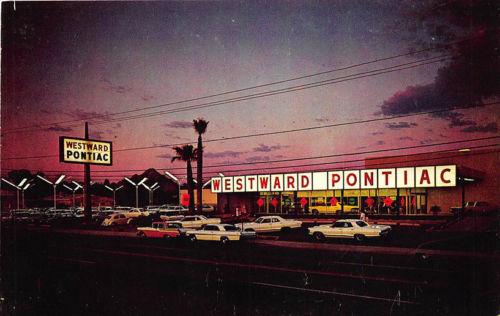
[{"x": 415, "y": 184}]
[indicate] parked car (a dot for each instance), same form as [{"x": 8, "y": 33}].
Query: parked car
[
  {"x": 207, "y": 208},
  {"x": 115, "y": 219},
  {"x": 475, "y": 207},
  {"x": 196, "y": 221},
  {"x": 136, "y": 212},
  {"x": 349, "y": 228},
  {"x": 219, "y": 232},
  {"x": 169, "y": 215},
  {"x": 160, "y": 230},
  {"x": 271, "y": 224}
]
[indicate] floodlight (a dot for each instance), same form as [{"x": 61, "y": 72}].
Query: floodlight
[
  {"x": 131, "y": 182},
  {"x": 12, "y": 184},
  {"x": 108, "y": 188},
  {"x": 67, "y": 187},
  {"x": 142, "y": 181},
  {"x": 77, "y": 184},
  {"x": 22, "y": 182},
  {"x": 120, "y": 187},
  {"x": 40, "y": 177},
  {"x": 27, "y": 186},
  {"x": 171, "y": 176},
  {"x": 61, "y": 177}
]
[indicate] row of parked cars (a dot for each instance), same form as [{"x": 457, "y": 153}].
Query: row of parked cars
[{"x": 199, "y": 227}]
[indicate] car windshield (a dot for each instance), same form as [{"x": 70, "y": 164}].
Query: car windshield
[
  {"x": 231, "y": 228},
  {"x": 259, "y": 220},
  {"x": 361, "y": 224}
]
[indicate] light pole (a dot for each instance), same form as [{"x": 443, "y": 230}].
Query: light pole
[
  {"x": 17, "y": 187},
  {"x": 114, "y": 193},
  {"x": 73, "y": 190},
  {"x": 151, "y": 189},
  {"x": 136, "y": 189},
  {"x": 174, "y": 178},
  {"x": 61, "y": 177},
  {"x": 28, "y": 185}
]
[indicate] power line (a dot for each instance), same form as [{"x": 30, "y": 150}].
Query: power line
[
  {"x": 279, "y": 132},
  {"x": 308, "y": 158},
  {"x": 370, "y": 73},
  {"x": 377, "y": 60},
  {"x": 325, "y": 163}
]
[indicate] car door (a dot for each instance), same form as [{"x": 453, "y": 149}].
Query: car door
[
  {"x": 206, "y": 233},
  {"x": 275, "y": 224},
  {"x": 336, "y": 230},
  {"x": 266, "y": 225}
]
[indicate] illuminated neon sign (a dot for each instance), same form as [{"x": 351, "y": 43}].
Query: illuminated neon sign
[{"x": 387, "y": 178}]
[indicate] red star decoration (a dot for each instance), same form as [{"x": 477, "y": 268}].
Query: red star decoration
[
  {"x": 274, "y": 202},
  {"x": 388, "y": 201},
  {"x": 303, "y": 202},
  {"x": 333, "y": 201},
  {"x": 260, "y": 202},
  {"x": 369, "y": 201}
]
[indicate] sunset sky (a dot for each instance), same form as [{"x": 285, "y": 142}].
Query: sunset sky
[{"x": 75, "y": 61}]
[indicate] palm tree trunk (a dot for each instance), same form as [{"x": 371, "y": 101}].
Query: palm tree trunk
[
  {"x": 199, "y": 170},
  {"x": 190, "y": 186}
]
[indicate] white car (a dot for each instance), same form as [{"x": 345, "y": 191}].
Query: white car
[
  {"x": 168, "y": 215},
  {"x": 349, "y": 228},
  {"x": 271, "y": 224},
  {"x": 219, "y": 232},
  {"x": 136, "y": 212},
  {"x": 115, "y": 219},
  {"x": 196, "y": 221}
]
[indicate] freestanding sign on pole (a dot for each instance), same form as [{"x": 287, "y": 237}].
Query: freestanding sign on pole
[{"x": 85, "y": 151}]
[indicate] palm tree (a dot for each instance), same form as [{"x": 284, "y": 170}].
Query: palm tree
[
  {"x": 187, "y": 153},
  {"x": 200, "y": 126}
]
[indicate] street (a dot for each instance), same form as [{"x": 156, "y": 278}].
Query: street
[{"x": 69, "y": 273}]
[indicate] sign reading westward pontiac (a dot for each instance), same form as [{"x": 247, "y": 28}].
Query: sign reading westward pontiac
[{"x": 77, "y": 150}]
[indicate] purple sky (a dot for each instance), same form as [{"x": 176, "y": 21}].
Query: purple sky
[{"x": 65, "y": 61}]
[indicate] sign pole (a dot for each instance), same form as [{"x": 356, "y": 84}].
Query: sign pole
[{"x": 86, "y": 168}]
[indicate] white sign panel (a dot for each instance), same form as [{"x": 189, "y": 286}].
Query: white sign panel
[{"x": 389, "y": 178}]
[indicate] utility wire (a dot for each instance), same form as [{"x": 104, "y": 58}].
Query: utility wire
[
  {"x": 278, "y": 132},
  {"x": 317, "y": 157},
  {"x": 315, "y": 170},
  {"x": 365, "y": 74},
  {"x": 377, "y": 60}
]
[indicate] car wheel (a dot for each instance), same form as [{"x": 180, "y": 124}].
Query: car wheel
[
  {"x": 224, "y": 240},
  {"x": 359, "y": 237},
  {"x": 192, "y": 238},
  {"x": 318, "y": 236},
  {"x": 166, "y": 237},
  {"x": 129, "y": 221},
  {"x": 315, "y": 212},
  {"x": 141, "y": 234}
]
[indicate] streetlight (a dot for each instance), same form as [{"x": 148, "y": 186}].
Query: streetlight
[
  {"x": 136, "y": 189},
  {"x": 151, "y": 189},
  {"x": 61, "y": 177},
  {"x": 28, "y": 185},
  {"x": 73, "y": 190},
  {"x": 17, "y": 187},
  {"x": 114, "y": 192},
  {"x": 174, "y": 178}
]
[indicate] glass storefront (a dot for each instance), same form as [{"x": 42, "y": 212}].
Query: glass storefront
[{"x": 377, "y": 201}]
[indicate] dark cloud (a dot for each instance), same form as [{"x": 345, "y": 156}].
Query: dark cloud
[
  {"x": 406, "y": 138},
  {"x": 380, "y": 142},
  {"x": 377, "y": 133},
  {"x": 96, "y": 134},
  {"x": 179, "y": 124},
  {"x": 400, "y": 125},
  {"x": 147, "y": 98},
  {"x": 165, "y": 156},
  {"x": 257, "y": 158},
  {"x": 224, "y": 154},
  {"x": 488, "y": 128},
  {"x": 265, "y": 148},
  {"x": 469, "y": 76},
  {"x": 59, "y": 129}
]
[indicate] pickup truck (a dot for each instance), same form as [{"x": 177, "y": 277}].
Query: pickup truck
[{"x": 477, "y": 207}]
